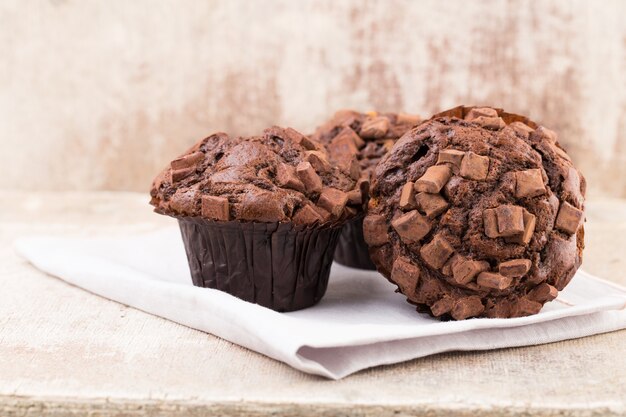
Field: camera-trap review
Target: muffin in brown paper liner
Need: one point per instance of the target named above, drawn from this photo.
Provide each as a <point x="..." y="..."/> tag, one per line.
<point x="260" y="216"/>
<point x="368" y="136"/>
<point x="276" y="265"/>
<point x="351" y="249"/>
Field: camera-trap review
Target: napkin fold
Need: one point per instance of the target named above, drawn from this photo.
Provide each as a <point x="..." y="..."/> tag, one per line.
<point x="360" y="323"/>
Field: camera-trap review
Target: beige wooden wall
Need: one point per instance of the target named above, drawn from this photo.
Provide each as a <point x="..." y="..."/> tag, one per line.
<point x="101" y="94"/>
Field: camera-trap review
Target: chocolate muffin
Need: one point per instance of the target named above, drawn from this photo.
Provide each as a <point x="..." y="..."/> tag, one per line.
<point x="361" y="139"/>
<point x="477" y="213"/>
<point x="260" y="216"/>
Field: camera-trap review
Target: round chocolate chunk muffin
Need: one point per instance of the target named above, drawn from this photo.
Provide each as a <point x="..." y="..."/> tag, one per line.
<point x="280" y="176"/>
<point x="477" y="213"/>
<point x="360" y="139"/>
<point x="259" y="216"/>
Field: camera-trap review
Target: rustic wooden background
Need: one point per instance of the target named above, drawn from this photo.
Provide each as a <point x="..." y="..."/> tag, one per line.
<point x="101" y="94"/>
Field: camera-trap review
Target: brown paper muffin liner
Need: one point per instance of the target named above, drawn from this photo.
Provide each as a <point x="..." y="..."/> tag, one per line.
<point x="351" y="249"/>
<point x="277" y="265"/>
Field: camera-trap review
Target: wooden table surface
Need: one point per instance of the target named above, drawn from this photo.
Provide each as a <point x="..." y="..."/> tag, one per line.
<point x="66" y="352"/>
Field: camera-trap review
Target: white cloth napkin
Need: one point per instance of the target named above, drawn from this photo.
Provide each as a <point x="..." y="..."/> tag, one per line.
<point x="360" y="322"/>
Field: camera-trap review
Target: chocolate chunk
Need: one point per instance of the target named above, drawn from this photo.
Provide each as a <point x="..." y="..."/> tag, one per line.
<point x="436" y="252"/>
<point x="187" y="161"/>
<point x="375" y="128"/>
<point x="407" y="196"/>
<point x="465" y="270"/>
<point x="474" y="166"/>
<point x="309" y="143"/>
<point x="355" y="197"/>
<point x="180" y="174"/>
<point x="307" y="215"/>
<point x="529" y="228"/>
<point x="359" y="142"/>
<point x="288" y="134"/>
<point x="485" y="117"/>
<point x="411" y="226"/>
<point x="493" y="280"/>
<point x="493" y="123"/>
<point x="344" y="117"/>
<point x="375" y="230"/>
<point x="442" y="306"/>
<point x="305" y="141"/>
<point x="547" y="134"/>
<point x="481" y="112"/>
<point x="514" y="268"/>
<point x="318" y="161"/>
<point x="312" y="182"/>
<point x="446" y="269"/>
<point x="343" y="146"/>
<point x="406" y="275"/>
<point x="514" y="223"/>
<point x="215" y="208"/>
<point x="353" y="169"/>
<point x="529" y="183"/>
<point x="184" y="201"/>
<point x="543" y="292"/>
<point x="344" y="151"/>
<point x="227" y="176"/>
<point x="467" y="307"/>
<point x="510" y="220"/>
<point x="261" y="207"/>
<point x="571" y="187"/>
<point x="432" y="205"/>
<point x="560" y="152"/>
<point x="560" y="254"/>
<point x="569" y="218"/>
<point x="490" y="222"/>
<point x="408" y="119"/>
<point x="433" y="179"/>
<point x="526" y="307"/>
<point x="497" y="309"/>
<point x="333" y="201"/>
<point x="521" y="129"/>
<point x="450" y="156"/>
<point x="325" y="215"/>
<point x="286" y="177"/>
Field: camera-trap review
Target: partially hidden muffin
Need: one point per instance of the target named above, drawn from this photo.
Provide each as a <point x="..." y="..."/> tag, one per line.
<point x="477" y="213"/>
<point x="355" y="138"/>
<point x="260" y="216"/>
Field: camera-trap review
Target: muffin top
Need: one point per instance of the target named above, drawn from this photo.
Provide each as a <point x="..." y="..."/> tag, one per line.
<point x="477" y="212"/>
<point x="279" y="176"/>
<point x="364" y="136"/>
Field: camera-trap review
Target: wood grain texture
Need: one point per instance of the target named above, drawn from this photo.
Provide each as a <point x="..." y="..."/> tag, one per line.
<point x="65" y="352"/>
<point x="101" y="95"/>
